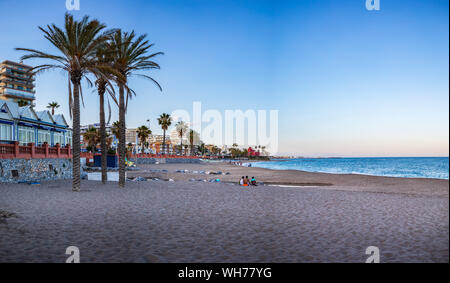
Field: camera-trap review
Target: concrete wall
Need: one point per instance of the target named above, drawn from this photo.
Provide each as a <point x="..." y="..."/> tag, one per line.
<point x="26" y="170"/>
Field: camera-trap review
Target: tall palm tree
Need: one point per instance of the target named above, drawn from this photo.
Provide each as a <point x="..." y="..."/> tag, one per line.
<point x="143" y="132"/>
<point x="77" y="43"/>
<point x="53" y="105"/>
<point x="130" y="55"/>
<point x="181" y="128"/>
<point x="104" y="85"/>
<point x="164" y="121"/>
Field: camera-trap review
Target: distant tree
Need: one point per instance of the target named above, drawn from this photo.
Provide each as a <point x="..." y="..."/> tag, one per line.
<point x="143" y="133"/>
<point x="116" y="129"/>
<point x="91" y="138"/>
<point x="164" y="121"/>
<point x="193" y="139"/>
<point x="181" y="128"/>
<point x="53" y="105"/>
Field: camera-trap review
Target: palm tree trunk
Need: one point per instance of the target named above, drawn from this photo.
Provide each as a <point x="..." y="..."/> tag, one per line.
<point x="76" y="137"/>
<point x="122" y="148"/>
<point x="181" y="143"/>
<point x="103" y="135"/>
<point x="164" y="141"/>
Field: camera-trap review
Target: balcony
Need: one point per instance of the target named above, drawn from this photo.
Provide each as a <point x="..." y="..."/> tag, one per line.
<point x="18" y="93"/>
<point x="8" y="73"/>
<point x="18" y="82"/>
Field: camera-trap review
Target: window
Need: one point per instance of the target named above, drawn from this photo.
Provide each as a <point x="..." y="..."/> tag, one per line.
<point x="69" y="138"/>
<point x="43" y="136"/>
<point x="26" y="135"/>
<point x="6" y="132"/>
<point x="58" y="137"/>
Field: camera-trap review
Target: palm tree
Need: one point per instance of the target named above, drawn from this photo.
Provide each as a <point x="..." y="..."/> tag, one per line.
<point x="164" y="121"/>
<point x="53" y="105"/>
<point x="143" y="133"/>
<point x="77" y="43"/>
<point x="193" y="138"/>
<point x="202" y="148"/>
<point x="115" y="129"/>
<point x="91" y="138"/>
<point x="130" y="56"/>
<point x="181" y="130"/>
<point x="103" y="83"/>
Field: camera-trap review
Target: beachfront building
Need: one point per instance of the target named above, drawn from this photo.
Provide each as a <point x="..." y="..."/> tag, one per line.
<point x="156" y="142"/>
<point x="19" y="121"/>
<point x="25" y="125"/>
<point x="15" y="83"/>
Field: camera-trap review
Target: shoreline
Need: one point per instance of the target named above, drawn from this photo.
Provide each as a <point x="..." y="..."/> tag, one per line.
<point x="349" y="173"/>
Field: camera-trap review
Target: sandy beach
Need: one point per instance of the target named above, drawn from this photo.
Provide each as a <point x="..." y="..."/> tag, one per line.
<point x="196" y="221"/>
<point x="347" y="182"/>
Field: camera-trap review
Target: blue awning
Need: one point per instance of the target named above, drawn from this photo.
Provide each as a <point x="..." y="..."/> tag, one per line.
<point x="6" y="122"/>
<point x="45" y="128"/>
<point x="26" y="124"/>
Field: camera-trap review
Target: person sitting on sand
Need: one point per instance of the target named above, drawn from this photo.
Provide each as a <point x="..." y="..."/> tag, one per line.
<point x="253" y="181"/>
<point x="241" y="181"/>
<point x="246" y="181"/>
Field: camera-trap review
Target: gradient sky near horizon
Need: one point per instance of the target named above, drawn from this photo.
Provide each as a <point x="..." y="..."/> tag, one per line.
<point x="346" y="81"/>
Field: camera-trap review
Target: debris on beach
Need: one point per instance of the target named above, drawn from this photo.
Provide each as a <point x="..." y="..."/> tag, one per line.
<point x="5" y="214"/>
<point x="139" y="179"/>
<point x="171" y="180"/>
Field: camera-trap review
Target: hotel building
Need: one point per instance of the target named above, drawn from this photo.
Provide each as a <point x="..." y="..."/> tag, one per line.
<point x="15" y="83"/>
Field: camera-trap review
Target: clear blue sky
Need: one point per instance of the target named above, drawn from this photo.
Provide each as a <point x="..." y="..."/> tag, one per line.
<point x="347" y="81"/>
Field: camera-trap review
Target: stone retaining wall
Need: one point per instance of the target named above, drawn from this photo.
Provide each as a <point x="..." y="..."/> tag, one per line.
<point x="29" y="170"/>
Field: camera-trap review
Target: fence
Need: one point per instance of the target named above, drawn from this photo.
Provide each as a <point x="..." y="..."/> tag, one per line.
<point x="90" y="155"/>
<point x="14" y="150"/>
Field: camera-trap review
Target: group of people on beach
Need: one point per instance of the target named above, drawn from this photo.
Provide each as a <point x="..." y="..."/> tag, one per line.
<point x="245" y="181"/>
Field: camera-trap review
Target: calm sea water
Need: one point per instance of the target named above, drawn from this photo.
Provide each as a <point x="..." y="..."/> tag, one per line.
<point x="409" y="167"/>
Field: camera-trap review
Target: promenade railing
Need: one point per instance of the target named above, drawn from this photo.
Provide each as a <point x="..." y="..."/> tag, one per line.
<point x="15" y="150"/>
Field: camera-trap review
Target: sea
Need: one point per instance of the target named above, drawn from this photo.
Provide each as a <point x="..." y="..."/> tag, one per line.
<point x="405" y="167"/>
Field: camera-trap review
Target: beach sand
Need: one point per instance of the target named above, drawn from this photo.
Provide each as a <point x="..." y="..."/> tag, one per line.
<point x="196" y="221"/>
<point x="347" y="182"/>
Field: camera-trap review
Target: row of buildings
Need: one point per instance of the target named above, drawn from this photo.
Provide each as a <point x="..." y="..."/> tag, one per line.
<point x="19" y="120"/>
<point x="153" y="142"/>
